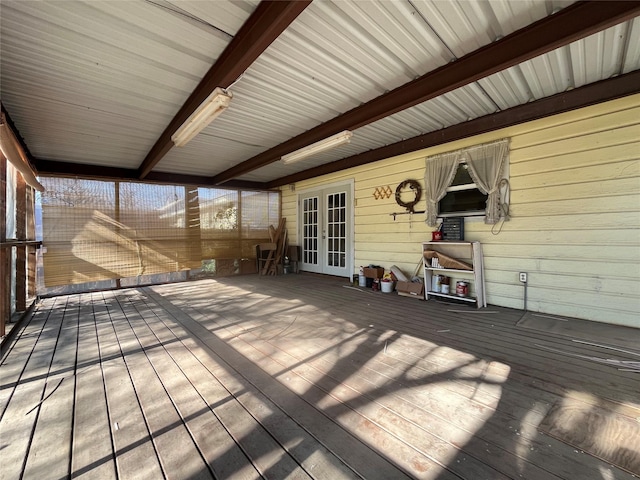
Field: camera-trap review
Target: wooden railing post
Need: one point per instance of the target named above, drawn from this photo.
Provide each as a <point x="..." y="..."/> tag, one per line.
<point x="5" y="253"/>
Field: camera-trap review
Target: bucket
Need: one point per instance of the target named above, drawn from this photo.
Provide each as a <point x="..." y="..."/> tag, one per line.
<point x="362" y="281"/>
<point x="387" y="287"/>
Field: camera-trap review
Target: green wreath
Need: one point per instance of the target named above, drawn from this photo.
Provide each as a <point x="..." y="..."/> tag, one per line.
<point x="413" y="185"/>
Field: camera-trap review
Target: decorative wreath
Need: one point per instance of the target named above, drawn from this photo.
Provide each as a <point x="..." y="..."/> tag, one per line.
<point x="413" y="185"/>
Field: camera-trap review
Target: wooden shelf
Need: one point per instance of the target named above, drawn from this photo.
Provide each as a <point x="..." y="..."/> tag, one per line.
<point x="454" y="297"/>
<point x="467" y="252"/>
<point x="452" y="270"/>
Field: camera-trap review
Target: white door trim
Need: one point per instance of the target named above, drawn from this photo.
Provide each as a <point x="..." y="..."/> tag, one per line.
<point x="350" y="184"/>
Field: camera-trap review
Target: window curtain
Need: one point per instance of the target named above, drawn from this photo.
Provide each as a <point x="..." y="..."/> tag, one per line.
<point x="486" y="164"/>
<point x="439" y="173"/>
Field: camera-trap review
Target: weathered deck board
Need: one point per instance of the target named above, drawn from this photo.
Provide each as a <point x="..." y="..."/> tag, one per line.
<point x="504" y="443"/>
<point x="200" y="404"/>
<point x="21" y="351"/>
<point x="135" y="452"/>
<point x="92" y="455"/>
<point x="542" y="446"/>
<point x="21" y="415"/>
<point x="334" y="438"/>
<point x="176" y="384"/>
<point x="572" y="421"/>
<point x="278" y="425"/>
<point x="55" y="414"/>
<point x="172" y="441"/>
<point x="298" y="377"/>
<point x="419" y="455"/>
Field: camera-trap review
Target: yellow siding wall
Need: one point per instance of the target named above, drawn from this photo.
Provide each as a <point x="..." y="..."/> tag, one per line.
<point x="575" y="205"/>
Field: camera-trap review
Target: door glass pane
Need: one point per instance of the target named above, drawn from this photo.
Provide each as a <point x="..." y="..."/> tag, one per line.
<point x="310" y="230"/>
<point x="336" y="230"/>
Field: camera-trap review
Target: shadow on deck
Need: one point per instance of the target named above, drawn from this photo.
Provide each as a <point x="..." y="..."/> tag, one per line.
<point x="299" y="377"/>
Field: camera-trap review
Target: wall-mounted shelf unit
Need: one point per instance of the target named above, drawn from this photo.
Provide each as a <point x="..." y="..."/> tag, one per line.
<point x="469" y="253"/>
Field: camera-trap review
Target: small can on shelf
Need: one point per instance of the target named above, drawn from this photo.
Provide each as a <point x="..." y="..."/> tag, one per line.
<point x="462" y="288"/>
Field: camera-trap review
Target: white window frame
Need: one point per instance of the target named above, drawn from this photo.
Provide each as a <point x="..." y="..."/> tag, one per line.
<point x="472" y="186"/>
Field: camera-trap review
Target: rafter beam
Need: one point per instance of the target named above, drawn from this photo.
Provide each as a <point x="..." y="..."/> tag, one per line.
<point x="55" y="168"/>
<point x="264" y="25"/>
<point x="568" y="25"/>
<point x="585" y="96"/>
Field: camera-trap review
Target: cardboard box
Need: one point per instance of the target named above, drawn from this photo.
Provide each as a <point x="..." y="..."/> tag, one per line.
<point x="374" y="272"/>
<point x="411" y="289"/>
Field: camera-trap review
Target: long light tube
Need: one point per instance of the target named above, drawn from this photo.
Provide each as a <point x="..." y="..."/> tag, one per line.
<point x="213" y="106"/>
<point x="326" y="144"/>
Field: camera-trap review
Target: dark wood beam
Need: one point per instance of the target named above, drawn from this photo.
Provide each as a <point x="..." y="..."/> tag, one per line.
<point x="264" y="25"/>
<point x="592" y="94"/>
<point x="56" y="168"/>
<point x="16" y="132"/>
<point x="570" y="24"/>
<point x="170" y="178"/>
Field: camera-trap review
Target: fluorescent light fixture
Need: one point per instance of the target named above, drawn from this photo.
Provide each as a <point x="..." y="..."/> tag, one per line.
<point x="326" y="144"/>
<point x="213" y="106"/>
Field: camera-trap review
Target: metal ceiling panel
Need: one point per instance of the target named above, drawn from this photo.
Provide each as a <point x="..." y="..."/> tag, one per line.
<point x="548" y="74"/>
<point x="337" y="55"/>
<point x="542" y="76"/>
<point x="97" y="82"/>
<point x="632" y="51"/>
<point x="507" y="88"/>
<point x="599" y="56"/>
<point x="334" y="57"/>
<point x="465" y="26"/>
<point x="105" y="77"/>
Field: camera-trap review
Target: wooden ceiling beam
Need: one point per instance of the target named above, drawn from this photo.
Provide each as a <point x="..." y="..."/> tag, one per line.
<point x="585" y="96"/>
<point x="568" y="25"/>
<point x="56" y="168"/>
<point x="264" y="25"/>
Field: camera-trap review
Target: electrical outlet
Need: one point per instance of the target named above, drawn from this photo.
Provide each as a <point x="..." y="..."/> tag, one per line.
<point x="523" y="277"/>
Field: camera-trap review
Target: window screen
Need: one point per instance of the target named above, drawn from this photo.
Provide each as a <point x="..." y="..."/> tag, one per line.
<point x="100" y="230"/>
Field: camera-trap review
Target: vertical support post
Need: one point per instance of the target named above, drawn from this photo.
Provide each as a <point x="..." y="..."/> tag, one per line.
<point x="21" y="250"/>
<point x="31" y="250"/>
<point x="192" y="219"/>
<point x="5" y="253"/>
<point x="116" y="213"/>
<point x="239" y="224"/>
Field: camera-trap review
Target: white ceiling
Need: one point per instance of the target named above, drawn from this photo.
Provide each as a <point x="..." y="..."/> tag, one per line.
<point x="97" y="82"/>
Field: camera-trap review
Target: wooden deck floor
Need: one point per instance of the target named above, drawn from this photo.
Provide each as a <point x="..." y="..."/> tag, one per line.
<point x="297" y="376"/>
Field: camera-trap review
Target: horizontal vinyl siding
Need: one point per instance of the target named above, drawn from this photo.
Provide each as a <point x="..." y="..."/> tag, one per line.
<point x="575" y="200"/>
<point x="575" y="206"/>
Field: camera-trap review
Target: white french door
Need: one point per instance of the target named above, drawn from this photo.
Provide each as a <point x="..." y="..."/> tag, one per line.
<point x="325" y="219"/>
